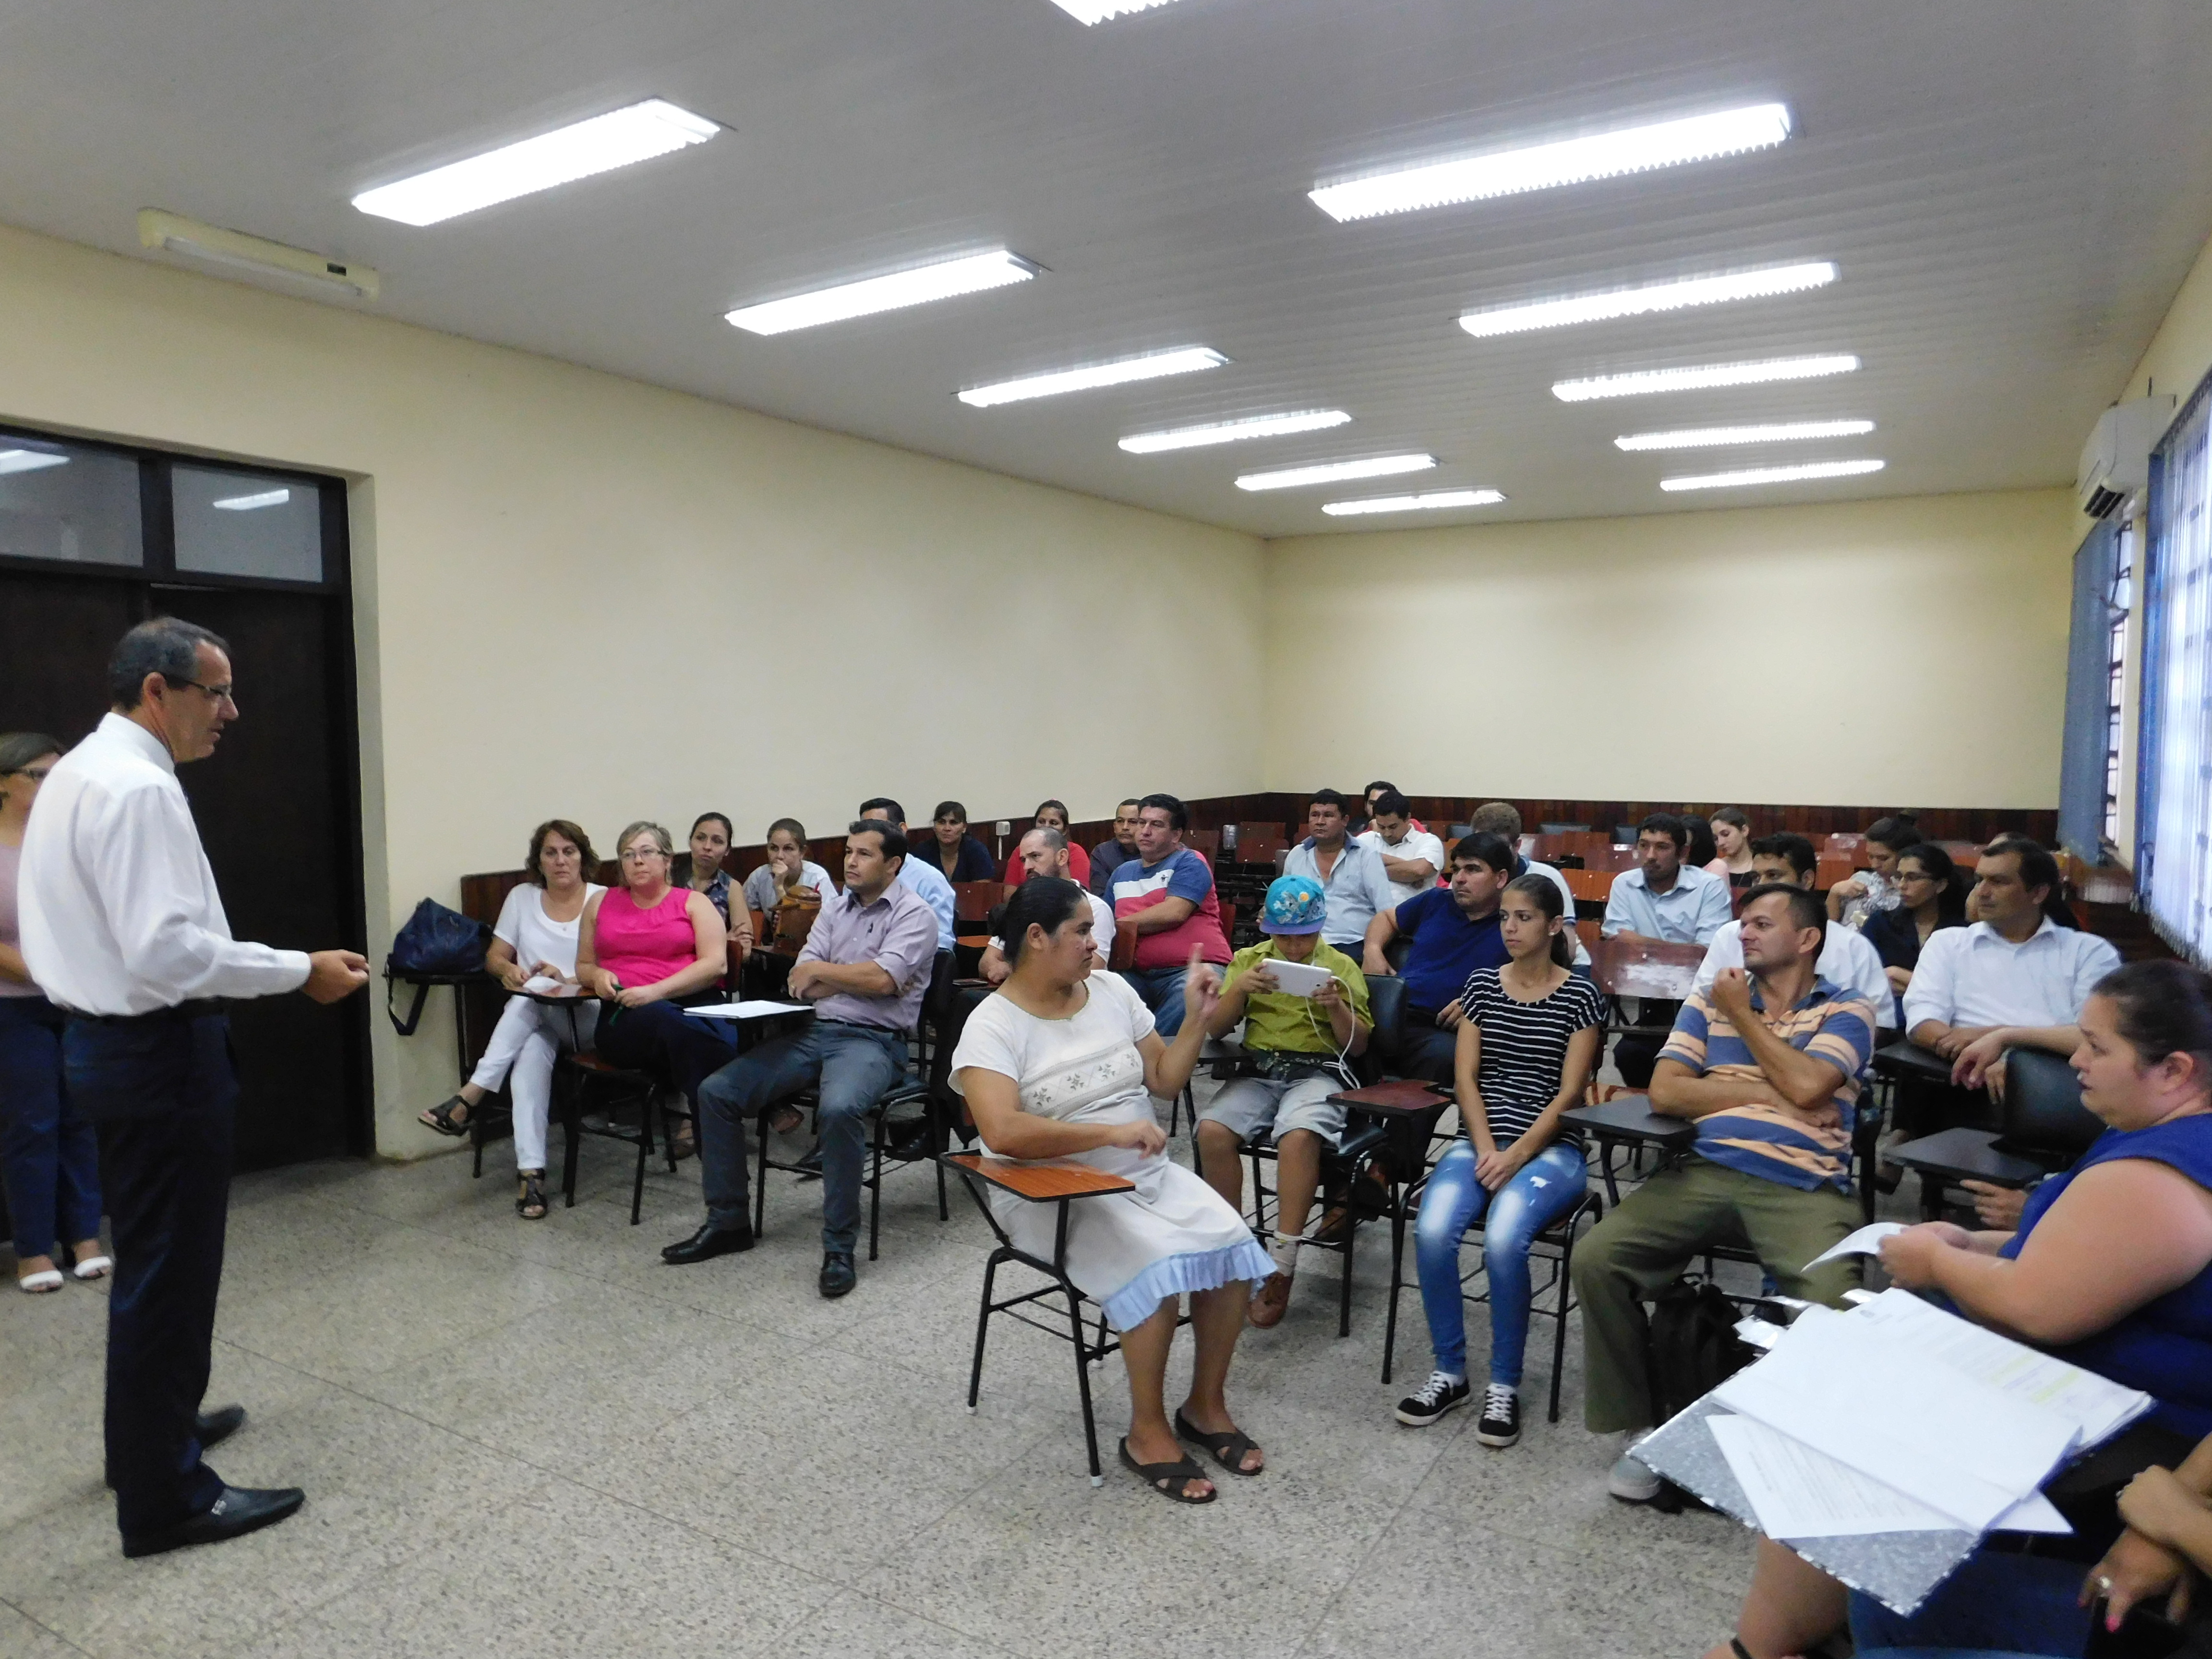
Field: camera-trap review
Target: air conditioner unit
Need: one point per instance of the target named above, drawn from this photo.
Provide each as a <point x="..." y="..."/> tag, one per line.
<point x="2116" y="461"/>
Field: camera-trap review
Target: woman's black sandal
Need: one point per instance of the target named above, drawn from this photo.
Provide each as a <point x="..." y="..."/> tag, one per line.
<point x="441" y="1117"/>
<point x="532" y="1206"/>
<point x="1169" y="1479"/>
<point x="1226" y="1449"/>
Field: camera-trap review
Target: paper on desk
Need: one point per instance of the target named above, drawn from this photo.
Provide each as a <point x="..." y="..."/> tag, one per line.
<point x="754" y="1009"/>
<point x="1865" y="1242"/>
<point x="1845" y="1386"/>
<point x="2097" y="1408"/>
<point x="538" y="985"/>
<point x="1798" y="1492"/>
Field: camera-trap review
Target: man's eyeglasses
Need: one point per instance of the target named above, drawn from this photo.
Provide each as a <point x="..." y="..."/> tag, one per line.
<point x="216" y="693"/>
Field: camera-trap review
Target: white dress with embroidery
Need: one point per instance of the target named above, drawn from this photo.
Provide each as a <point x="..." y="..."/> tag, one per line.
<point x="1127" y="1251"/>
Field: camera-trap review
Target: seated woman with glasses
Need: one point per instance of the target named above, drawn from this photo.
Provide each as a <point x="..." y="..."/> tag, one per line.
<point x="645" y="950"/>
<point x="1061" y="1062"/>
<point x="701" y="869"/>
<point x="1931" y="895"/>
<point x="533" y="941"/>
<point x="1527" y="1044"/>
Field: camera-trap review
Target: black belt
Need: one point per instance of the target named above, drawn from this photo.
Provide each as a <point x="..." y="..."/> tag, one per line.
<point x="199" y="1008"/>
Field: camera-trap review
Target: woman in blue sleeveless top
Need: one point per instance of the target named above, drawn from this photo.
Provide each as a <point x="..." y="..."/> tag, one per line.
<point x="2110" y="1268"/>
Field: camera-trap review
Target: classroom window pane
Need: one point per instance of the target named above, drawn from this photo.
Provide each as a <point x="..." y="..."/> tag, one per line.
<point x="242" y="523"/>
<point x="59" y="501"/>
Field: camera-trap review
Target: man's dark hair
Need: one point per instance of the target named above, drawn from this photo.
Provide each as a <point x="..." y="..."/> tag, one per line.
<point x="2037" y="868"/>
<point x="1330" y="797"/>
<point x="1392" y="805"/>
<point x="950" y="809"/>
<point x="1495" y="851"/>
<point x="1178" y="814"/>
<point x="884" y="804"/>
<point x="1806" y="908"/>
<point x="1128" y="800"/>
<point x="1368" y="794"/>
<point x="1896" y="832"/>
<point x="166" y="646"/>
<point x="1794" y="847"/>
<point x="894" y="838"/>
<point x="1667" y="824"/>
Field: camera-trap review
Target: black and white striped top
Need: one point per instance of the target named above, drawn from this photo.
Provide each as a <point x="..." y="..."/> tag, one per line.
<point x="1524" y="1047"/>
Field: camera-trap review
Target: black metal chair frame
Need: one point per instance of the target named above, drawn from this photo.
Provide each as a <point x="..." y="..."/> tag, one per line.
<point x="1346" y="1163"/>
<point x="626" y="1087"/>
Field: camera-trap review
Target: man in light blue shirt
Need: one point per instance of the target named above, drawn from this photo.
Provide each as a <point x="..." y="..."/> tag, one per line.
<point x="927" y="881"/>
<point x="1669" y="902"/>
<point x="1350" y="872"/>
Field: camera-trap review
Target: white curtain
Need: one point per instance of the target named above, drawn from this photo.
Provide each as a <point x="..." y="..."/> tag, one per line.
<point x="2177" y="735"/>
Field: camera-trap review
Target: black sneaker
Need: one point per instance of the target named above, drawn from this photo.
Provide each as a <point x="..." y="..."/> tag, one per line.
<point x="1500" y="1424"/>
<point x="1439" y="1394"/>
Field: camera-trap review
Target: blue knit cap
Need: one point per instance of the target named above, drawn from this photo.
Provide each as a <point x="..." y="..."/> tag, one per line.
<point x="1295" y="905"/>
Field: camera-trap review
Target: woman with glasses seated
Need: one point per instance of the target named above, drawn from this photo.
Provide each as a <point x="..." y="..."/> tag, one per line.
<point x="1931" y="895"/>
<point x="533" y="943"/>
<point x="1061" y="1062"/>
<point x="646" y="950"/>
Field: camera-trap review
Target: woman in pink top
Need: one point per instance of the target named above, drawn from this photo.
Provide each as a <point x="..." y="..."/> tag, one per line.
<point x="49" y="1159"/>
<point x="645" y="949"/>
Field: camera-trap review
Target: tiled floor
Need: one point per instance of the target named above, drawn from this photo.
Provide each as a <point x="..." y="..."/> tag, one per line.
<point x="535" y="1438"/>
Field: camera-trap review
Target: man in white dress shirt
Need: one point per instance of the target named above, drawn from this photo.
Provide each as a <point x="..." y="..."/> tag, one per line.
<point x="1846" y="961"/>
<point x="122" y="926"/>
<point x="1411" y="858"/>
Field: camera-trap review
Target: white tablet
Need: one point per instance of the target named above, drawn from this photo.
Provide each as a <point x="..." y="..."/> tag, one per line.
<point x="1298" y="979"/>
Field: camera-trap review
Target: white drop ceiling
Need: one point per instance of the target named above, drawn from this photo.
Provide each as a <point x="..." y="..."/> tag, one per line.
<point x="2013" y="190"/>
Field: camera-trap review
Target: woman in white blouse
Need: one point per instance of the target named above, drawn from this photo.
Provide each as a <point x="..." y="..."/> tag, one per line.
<point x="1062" y="1063"/>
<point x="534" y="940"/>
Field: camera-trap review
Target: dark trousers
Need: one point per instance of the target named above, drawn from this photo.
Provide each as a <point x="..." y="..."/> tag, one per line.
<point x="660" y="1038"/>
<point x="49" y="1155"/>
<point x="1635" y="1054"/>
<point x="162" y="1095"/>
<point x="1430" y="1053"/>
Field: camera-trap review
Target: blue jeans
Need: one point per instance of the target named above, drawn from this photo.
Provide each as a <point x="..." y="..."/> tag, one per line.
<point x="49" y="1155"/>
<point x="2015" y="1603"/>
<point x="1160" y="989"/>
<point x="1545" y="1188"/>
<point x="854" y="1066"/>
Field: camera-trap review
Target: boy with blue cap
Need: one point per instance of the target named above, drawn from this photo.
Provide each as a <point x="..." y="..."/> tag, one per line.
<point x="1295" y="1050"/>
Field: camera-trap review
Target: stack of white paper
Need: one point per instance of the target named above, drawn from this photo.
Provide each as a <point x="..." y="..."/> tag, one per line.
<point x="754" y="1009"/>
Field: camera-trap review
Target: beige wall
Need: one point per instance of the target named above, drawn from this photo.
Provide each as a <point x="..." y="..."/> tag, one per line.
<point x="581" y="595"/>
<point x="1906" y="652"/>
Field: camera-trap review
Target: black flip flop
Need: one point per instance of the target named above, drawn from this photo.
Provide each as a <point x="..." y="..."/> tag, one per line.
<point x="1226" y="1449"/>
<point x="440" y="1116"/>
<point x="1169" y="1479"/>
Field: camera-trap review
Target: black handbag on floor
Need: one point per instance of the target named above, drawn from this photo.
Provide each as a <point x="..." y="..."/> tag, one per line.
<point x="1693" y="1345"/>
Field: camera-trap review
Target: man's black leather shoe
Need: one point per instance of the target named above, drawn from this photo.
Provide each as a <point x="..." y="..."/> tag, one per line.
<point x="211" y="1429"/>
<point x="837" y="1274"/>
<point x="912" y="1145"/>
<point x="709" y="1242"/>
<point x="238" y="1511"/>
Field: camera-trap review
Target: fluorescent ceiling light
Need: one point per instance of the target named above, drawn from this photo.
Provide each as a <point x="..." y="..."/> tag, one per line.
<point x="616" y="139"/>
<point x="1510" y="171"/>
<point x="1708" y="374"/>
<point x="1770" y="474"/>
<point x="248" y="503"/>
<point x="945" y="280"/>
<point x="1097" y="11"/>
<point x="1719" y="437"/>
<point x="28" y="460"/>
<point x="1230" y="432"/>
<point x="1651" y="296"/>
<point x="173" y="234"/>
<point x="1431" y="502"/>
<point x="1376" y="466"/>
<point x="1185" y="360"/>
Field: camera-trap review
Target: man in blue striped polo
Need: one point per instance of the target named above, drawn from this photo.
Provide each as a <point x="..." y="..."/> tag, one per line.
<point x="1767" y="1064"/>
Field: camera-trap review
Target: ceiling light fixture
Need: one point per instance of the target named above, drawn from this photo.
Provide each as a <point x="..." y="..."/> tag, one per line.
<point x="172" y="232"/>
<point x="1376" y="466"/>
<point x="617" y="139"/>
<point x="945" y="280"/>
<point x="1097" y="11"/>
<point x="1184" y="360"/>
<point x="1572" y="160"/>
<point x="1719" y="437"/>
<point x="1709" y="374"/>
<point x="248" y="503"/>
<point x="1434" y="500"/>
<point x="28" y="460"/>
<point x="1230" y="432"/>
<point x="1651" y="296"/>
<point x="1772" y="475"/>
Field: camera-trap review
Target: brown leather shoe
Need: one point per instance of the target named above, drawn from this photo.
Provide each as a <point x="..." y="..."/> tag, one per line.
<point x="1273" y="1302"/>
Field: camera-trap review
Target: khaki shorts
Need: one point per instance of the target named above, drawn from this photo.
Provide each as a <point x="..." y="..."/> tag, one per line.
<point x="1253" y="1104"/>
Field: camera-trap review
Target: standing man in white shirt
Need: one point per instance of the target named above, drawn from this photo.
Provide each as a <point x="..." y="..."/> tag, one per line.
<point x="122" y="928"/>
<point x="1411" y="858"/>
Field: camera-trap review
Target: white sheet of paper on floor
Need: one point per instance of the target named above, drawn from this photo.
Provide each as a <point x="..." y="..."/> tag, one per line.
<point x="1845" y="1386"/>
<point x="1865" y="1242"/>
<point x="746" y="1010"/>
<point x="2096" y="1407"/>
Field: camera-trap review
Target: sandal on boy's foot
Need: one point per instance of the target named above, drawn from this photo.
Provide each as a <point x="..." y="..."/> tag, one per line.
<point x="1271" y="1301"/>
<point x="1171" y="1480"/>
<point x="530" y="1203"/>
<point x="1227" y="1448"/>
<point x="440" y="1116"/>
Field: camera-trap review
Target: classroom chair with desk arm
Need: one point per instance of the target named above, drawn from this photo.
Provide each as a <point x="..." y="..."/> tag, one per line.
<point x="2044" y="1128"/>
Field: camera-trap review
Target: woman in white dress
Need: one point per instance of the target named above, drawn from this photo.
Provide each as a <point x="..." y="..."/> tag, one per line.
<point x="1062" y="1063"/>
<point x="535" y="939"/>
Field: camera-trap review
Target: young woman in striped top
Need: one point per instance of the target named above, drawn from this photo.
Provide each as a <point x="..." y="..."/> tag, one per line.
<point x="1527" y="1047"/>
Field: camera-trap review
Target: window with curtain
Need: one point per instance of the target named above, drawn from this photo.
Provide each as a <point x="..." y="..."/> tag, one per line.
<point x="2088" y="765"/>
<point x="2174" y="816"/>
